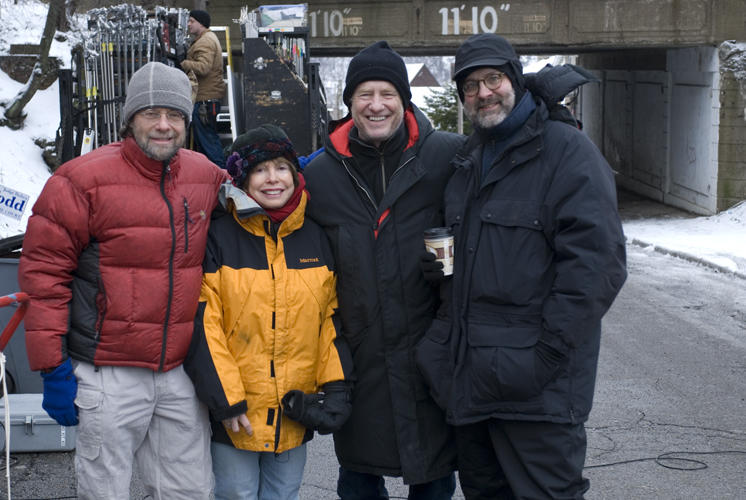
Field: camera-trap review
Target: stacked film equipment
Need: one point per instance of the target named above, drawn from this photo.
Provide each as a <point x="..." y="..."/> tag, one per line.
<point x="280" y="84"/>
<point x="120" y="40"/>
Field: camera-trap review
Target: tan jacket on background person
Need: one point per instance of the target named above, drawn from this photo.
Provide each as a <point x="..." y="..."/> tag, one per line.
<point x="205" y="58"/>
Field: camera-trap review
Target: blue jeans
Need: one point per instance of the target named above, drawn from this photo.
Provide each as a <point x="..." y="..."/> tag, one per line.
<point x="361" y="486"/>
<point x="206" y="138"/>
<point x="256" y="475"/>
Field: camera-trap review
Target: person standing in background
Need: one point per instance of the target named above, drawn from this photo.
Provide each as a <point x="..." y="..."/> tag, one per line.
<point x="205" y="58"/>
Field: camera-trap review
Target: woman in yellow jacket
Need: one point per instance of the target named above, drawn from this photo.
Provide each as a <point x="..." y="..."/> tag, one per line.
<point x="267" y="337"/>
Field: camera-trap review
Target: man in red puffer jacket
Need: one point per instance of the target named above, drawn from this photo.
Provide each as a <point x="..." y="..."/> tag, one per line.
<point x="112" y="261"/>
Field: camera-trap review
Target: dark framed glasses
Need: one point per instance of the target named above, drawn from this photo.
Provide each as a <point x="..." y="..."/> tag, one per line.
<point x="492" y="82"/>
<point x="153" y="116"/>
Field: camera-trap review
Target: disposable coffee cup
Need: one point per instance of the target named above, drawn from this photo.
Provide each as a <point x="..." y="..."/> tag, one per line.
<point x="439" y="240"/>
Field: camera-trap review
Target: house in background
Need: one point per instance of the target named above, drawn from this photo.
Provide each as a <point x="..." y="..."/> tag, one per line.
<point x="422" y="83"/>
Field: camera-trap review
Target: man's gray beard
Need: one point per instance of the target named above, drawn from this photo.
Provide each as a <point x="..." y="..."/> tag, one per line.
<point x="153" y="152"/>
<point x="491" y="120"/>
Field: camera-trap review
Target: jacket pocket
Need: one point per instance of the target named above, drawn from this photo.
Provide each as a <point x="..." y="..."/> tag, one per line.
<point x="88" y="443"/>
<point x="502" y="363"/>
<point x="513" y="213"/>
<point x="187" y="220"/>
<point x="433" y="360"/>
<point x="514" y="257"/>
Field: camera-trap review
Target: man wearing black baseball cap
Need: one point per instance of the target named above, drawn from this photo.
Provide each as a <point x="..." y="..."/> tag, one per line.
<point x="539" y="258"/>
<point x="375" y="189"/>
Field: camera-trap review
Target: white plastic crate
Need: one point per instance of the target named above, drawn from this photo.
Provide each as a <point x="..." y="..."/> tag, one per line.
<point x="31" y="428"/>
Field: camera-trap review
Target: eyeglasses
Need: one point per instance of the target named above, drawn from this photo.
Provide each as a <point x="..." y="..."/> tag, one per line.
<point x="153" y="116"/>
<point x="492" y="82"/>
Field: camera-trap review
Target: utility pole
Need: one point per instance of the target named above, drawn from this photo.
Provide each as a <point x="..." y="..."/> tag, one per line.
<point x="338" y="101"/>
<point x="460" y="122"/>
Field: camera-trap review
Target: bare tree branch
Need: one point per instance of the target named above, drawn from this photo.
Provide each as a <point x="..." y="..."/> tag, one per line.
<point x="14" y="112"/>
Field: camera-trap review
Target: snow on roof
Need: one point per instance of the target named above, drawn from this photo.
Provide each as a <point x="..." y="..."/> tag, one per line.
<point x="413" y="69"/>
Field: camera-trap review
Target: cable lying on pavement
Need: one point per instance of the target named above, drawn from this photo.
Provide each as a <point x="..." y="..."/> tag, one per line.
<point x="660" y="459"/>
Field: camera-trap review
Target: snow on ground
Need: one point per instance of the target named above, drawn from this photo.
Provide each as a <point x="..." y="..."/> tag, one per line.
<point x="719" y="239"/>
<point x="22" y="168"/>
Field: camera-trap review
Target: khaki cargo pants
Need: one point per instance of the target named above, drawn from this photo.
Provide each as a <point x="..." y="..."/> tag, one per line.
<point x="153" y="417"/>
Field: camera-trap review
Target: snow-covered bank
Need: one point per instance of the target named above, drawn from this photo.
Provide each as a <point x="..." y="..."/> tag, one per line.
<point x="22" y="168"/>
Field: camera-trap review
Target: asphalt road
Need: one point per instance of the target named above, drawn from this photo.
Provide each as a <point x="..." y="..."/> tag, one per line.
<point x="672" y="378"/>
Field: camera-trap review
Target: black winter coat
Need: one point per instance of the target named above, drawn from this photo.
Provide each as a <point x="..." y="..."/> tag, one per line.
<point x="539" y="252"/>
<point x="395" y="429"/>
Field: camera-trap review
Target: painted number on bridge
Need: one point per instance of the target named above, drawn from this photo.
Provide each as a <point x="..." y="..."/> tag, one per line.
<point x="483" y="20"/>
<point x="470" y="20"/>
<point x="437" y="19"/>
<point x="334" y="23"/>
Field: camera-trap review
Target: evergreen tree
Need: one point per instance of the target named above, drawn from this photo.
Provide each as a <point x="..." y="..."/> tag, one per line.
<point x="442" y="109"/>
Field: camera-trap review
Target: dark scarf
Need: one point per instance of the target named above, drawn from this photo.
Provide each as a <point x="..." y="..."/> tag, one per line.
<point x="499" y="136"/>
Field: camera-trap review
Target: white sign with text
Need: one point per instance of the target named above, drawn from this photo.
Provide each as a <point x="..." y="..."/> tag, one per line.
<point x="12" y="203"/>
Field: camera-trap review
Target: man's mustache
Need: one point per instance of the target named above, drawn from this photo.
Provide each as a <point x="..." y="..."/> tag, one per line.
<point x="483" y="103"/>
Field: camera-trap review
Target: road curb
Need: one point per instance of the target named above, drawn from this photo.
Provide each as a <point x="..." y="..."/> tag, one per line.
<point x="687" y="256"/>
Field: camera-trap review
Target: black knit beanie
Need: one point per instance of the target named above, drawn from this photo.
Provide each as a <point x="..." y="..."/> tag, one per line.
<point x="263" y="143"/>
<point x="377" y="62"/>
<point x="487" y="50"/>
<point x="201" y="16"/>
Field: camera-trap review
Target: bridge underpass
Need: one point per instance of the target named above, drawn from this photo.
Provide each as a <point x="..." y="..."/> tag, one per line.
<point x="669" y="113"/>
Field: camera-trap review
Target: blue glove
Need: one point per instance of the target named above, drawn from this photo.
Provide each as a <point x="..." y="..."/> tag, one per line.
<point x="303" y="161"/>
<point x="60" y="389"/>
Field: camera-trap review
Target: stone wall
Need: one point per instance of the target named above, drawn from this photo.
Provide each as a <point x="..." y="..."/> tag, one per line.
<point x="21" y="61"/>
<point x="732" y="144"/>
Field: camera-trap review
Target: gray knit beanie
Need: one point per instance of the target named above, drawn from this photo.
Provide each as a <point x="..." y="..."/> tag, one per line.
<point x="156" y="85"/>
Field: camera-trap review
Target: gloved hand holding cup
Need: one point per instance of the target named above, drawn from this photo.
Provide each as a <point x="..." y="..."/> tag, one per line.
<point x="439" y="241"/>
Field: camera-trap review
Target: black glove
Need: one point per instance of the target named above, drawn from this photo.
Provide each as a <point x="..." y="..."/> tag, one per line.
<point x="204" y="113"/>
<point x="431" y="268"/>
<point x="294" y="401"/>
<point x="546" y="361"/>
<point x="181" y="54"/>
<point x="323" y="413"/>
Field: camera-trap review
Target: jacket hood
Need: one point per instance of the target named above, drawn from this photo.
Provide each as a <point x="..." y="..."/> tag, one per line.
<point x="235" y="200"/>
<point x="243" y="208"/>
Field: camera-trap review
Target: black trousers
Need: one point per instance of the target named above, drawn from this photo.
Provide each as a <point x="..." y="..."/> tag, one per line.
<point x="519" y="460"/>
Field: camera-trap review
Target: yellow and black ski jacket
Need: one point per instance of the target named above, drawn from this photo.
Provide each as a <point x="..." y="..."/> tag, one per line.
<point x="267" y="321"/>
